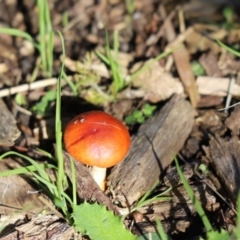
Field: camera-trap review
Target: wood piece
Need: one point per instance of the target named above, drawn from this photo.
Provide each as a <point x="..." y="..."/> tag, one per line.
<point x="181" y="59"/>
<point x="43" y="227"/>
<point x="209" y="62"/>
<point x="153" y="148"/>
<point x="232" y="122"/>
<point x="225" y="158"/>
<point x="210" y="101"/>
<point x="216" y="86"/>
<point x="87" y="188"/>
<point x="8" y="129"/>
<point x="172" y="178"/>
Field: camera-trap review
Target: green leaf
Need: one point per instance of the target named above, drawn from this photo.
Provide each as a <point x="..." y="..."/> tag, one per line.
<point x="20" y="99"/>
<point x="137" y="114"/>
<point x="141" y="119"/>
<point x="19" y="33"/>
<point x="42" y="106"/>
<point x="215" y="235"/>
<point x="228" y="14"/>
<point x="130" y="119"/>
<point x="148" y="110"/>
<point x="195" y="201"/>
<point x="99" y="223"/>
<point x="197" y="68"/>
<point x="236" y="53"/>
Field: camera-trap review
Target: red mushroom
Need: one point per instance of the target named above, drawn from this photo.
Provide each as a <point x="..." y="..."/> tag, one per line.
<point x="97" y="139"/>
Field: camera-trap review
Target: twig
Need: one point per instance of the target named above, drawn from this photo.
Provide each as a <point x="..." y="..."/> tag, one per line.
<point x="229" y="95"/>
<point x="28" y="87"/>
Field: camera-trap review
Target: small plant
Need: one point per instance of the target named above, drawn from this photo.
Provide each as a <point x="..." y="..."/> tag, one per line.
<point x="144" y="200"/>
<point x="88" y="81"/>
<point x="110" y="58"/>
<point x="228" y="14"/>
<point x="42" y="107"/>
<point x="140" y="116"/>
<point x="20" y="99"/>
<point x="197" y="69"/>
<point x="130" y="7"/>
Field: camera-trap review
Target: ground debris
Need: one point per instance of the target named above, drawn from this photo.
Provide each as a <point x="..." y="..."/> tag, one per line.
<point x="8" y="129"/>
<point x="225" y="157"/>
<point x="145" y="29"/>
<point x="179" y="209"/>
<point x="43" y="227"/>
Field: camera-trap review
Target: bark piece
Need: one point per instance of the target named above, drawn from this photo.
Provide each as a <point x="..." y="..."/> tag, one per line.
<point x="8" y="129"/>
<point x="210" y="101"/>
<point x="153" y="149"/>
<point x="43" y="227"/>
<point x="232" y="122"/>
<point x="225" y="158"/>
<point x="209" y="61"/>
<point x="172" y="178"/>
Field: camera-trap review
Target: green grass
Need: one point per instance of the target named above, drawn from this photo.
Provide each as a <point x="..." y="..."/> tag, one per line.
<point x="111" y="60"/>
<point x="119" y="82"/>
<point x="46" y="37"/>
<point x="55" y="190"/>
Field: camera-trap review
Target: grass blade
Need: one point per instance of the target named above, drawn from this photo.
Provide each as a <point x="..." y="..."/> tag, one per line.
<point x="24" y="170"/>
<point x="193" y="198"/>
<point x="18" y="33"/>
<point x="60" y="174"/>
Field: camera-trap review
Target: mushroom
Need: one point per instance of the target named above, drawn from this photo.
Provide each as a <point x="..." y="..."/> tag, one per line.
<point x="97" y="139"/>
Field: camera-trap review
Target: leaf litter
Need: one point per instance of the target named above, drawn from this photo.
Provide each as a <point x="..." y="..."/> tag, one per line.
<point x="150" y="29"/>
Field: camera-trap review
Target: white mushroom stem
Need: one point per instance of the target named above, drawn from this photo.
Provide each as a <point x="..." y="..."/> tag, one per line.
<point x="99" y="175"/>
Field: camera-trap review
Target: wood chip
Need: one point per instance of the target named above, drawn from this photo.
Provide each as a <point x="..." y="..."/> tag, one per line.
<point x="216" y="86"/>
<point x="8" y="129"/>
<point x="233" y="122"/>
<point x="209" y="62"/>
<point x="43" y="227"/>
<point x="225" y="158"/>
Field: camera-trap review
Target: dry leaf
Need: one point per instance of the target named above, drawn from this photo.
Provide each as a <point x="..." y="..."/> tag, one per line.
<point x="157" y="84"/>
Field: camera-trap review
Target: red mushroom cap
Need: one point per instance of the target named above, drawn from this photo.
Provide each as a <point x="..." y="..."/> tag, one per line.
<point x="97" y="139"/>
